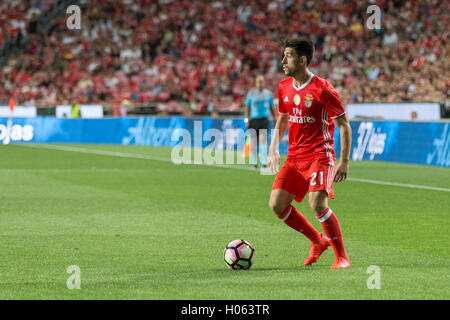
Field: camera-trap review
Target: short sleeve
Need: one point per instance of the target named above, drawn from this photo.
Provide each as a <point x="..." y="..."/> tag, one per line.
<point x="281" y="107"/>
<point x="271" y="99"/>
<point x="330" y="99"/>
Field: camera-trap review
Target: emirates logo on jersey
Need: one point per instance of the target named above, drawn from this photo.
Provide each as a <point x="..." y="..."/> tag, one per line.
<point x="298" y="118"/>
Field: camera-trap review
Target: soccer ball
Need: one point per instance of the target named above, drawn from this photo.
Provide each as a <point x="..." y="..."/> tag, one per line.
<point x="239" y="254"/>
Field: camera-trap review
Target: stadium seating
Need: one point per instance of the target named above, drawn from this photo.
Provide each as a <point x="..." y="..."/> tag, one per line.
<point x="201" y="56"/>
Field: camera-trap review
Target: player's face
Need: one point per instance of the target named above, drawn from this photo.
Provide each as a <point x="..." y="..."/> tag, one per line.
<point x="291" y="63"/>
<point x="259" y="82"/>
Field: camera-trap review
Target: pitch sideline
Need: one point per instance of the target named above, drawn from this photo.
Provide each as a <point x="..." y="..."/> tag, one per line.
<point x="155" y="158"/>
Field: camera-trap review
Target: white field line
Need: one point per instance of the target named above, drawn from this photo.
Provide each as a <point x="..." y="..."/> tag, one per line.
<point x="96" y="151"/>
<point x="387" y="183"/>
<point x="68" y="170"/>
<point x="150" y="157"/>
<point x="126" y="155"/>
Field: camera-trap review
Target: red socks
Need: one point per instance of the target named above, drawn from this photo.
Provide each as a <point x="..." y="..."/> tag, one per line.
<point x="331" y="227"/>
<point x="294" y="219"/>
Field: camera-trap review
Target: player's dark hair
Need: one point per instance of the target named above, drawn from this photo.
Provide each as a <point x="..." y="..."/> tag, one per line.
<point x="303" y="47"/>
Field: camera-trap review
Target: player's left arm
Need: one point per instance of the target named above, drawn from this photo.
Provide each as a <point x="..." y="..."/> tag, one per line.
<point x="272" y="108"/>
<point x="248" y="105"/>
<point x="346" y="141"/>
<point x="335" y="109"/>
<point x="272" y="111"/>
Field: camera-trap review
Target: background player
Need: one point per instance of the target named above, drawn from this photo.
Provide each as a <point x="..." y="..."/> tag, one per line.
<point x="259" y="102"/>
<point x="310" y="106"/>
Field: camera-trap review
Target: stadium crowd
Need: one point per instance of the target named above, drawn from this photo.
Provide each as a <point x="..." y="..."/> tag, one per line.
<point x="202" y="55"/>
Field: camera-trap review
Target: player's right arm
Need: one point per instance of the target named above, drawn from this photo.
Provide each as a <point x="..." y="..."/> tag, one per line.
<point x="248" y="103"/>
<point x="281" y="126"/>
<point x="273" y="161"/>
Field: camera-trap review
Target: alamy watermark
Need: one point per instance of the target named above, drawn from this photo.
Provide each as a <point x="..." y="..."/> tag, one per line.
<point x="74" y="280"/>
<point x="374" y="20"/>
<point x="223" y="147"/>
<point x="73" y="21"/>
<point x="374" y="280"/>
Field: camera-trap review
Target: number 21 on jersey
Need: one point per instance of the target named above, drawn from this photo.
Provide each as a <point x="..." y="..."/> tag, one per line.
<point x="314" y="176"/>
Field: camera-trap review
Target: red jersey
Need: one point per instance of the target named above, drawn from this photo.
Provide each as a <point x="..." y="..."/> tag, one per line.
<point x="311" y="109"/>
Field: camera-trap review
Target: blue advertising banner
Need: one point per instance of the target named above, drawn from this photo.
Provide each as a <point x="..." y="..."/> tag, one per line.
<point x="410" y="142"/>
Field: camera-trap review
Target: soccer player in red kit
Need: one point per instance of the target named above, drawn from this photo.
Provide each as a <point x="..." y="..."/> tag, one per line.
<point x="310" y="106"/>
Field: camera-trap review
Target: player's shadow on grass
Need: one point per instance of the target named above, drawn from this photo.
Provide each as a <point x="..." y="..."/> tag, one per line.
<point x="291" y="268"/>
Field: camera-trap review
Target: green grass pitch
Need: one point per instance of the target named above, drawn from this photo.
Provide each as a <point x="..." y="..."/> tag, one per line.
<point x="140" y="227"/>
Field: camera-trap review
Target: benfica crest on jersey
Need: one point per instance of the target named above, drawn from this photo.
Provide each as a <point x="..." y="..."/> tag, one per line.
<point x="308" y="100"/>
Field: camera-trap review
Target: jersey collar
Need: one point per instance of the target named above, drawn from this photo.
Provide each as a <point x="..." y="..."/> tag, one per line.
<point x="303" y="85"/>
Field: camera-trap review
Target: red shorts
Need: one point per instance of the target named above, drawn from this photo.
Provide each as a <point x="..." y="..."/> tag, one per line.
<point x="301" y="177"/>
